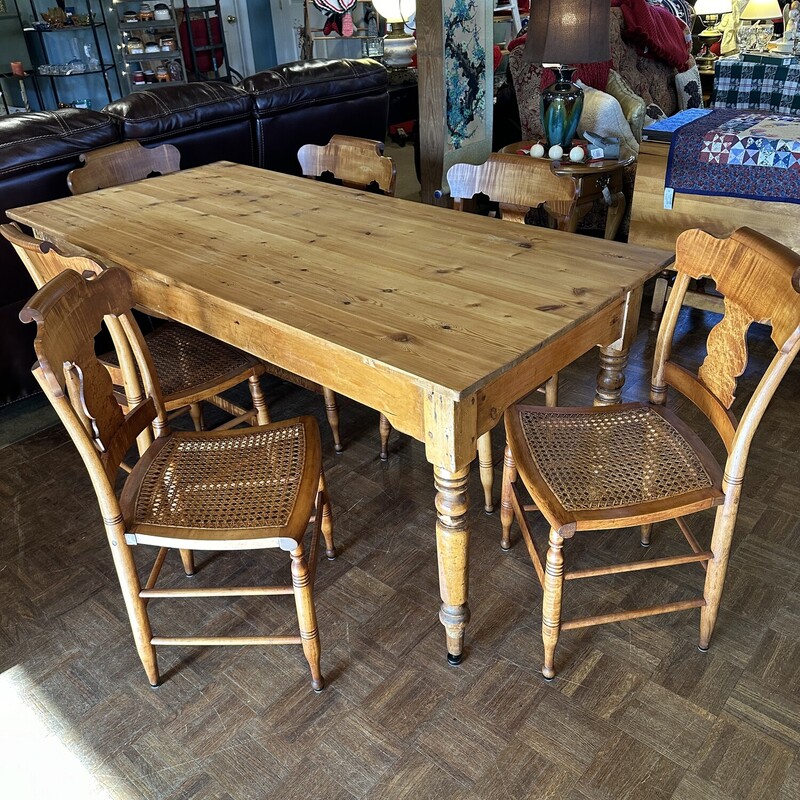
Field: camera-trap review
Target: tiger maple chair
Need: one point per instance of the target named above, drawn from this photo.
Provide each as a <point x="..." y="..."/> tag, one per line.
<point x="247" y="489"/>
<point x="122" y="163"/>
<point x="359" y="164"/>
<point x="192" y="367"/>
<point x="638" y="463"/>
<point x="517" y="184"/>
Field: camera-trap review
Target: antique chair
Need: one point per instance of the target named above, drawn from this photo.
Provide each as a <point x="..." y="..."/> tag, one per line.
<point x="517" y="184"/>
<point x="638" y="463"/>
<point x="246" y="489"/>
<point x="359" y="164"/>
<point x="191" y="366"/>
<point x="122" y="163"/>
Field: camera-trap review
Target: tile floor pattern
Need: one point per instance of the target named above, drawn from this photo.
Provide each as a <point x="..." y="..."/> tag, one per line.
<point x="635" y="711"/>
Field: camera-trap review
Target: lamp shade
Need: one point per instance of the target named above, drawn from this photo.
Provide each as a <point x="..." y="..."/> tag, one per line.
<point x="707" y="8"/>
<point x="761" y="9"/>
<point x="395" y="10"/>
<point x="568" y="32"/>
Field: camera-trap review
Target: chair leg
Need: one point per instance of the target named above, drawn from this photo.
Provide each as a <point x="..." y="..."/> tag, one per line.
<point x="551" y="604"/>
<point x="506" y="506"/>
<point x="385" y="429"/>
<point x="332" y="412"/>
<point x="327" y="519"/>
<point x="187" y="557"/>
<point x="486" y="470"/>
<point x="135" y="606"/>
<point x="196" y="413"/>
<point x="306" y="615"/>
<point x="551" y="392"/>
<point x="259" y="401"/>
<point x="646" y="530"/>
<point x="717" y="567"/>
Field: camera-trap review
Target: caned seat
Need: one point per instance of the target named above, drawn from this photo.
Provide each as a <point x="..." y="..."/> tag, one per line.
<point x="193" y="367"/>
<point x="248" y="489"/>
<point x="638" y="463"/>
<point x="517" y="184"/>
<point x="359" y="164"/>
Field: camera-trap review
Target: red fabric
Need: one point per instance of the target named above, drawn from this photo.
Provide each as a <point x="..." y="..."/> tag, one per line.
<point x="594" y="75"/>
<point x="655" y="31"/>
<point x="200" y="36"/>
<point x="498" y="56"/>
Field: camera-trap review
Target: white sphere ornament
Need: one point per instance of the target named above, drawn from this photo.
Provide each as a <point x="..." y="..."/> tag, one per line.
<point x="555" y="152"/>
<point x="576" y="154"/>
<point x="537" y="151"/>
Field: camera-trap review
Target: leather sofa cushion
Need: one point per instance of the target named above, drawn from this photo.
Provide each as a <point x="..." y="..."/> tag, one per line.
<point x="179" y="107"/>
<point x="206" y="121"/>
<point x="302" y="83"/>
<point x="33" y="140"/>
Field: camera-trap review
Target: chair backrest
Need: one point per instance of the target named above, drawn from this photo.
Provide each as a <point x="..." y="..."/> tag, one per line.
<point x="69" y="311"/>
<point x="755" y="274"/>
<point x="358" y="163"/>
<point x="122" y="163"/>
<point x="517" y="183"/>
<point x="42" y="260"/>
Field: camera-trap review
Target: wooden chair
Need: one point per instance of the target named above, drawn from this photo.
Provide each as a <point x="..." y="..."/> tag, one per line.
<point x="517" y="184"/>
<point x="638" y="463"/>
<point x="192" y="367"/>
<point x="122" y="163"/>
<point x="359" y="164"/>
<point x="247" y="489"/>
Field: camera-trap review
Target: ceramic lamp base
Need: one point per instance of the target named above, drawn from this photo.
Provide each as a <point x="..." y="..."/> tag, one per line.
<point x="561" y="108"/>
<point x="398" y="47"/>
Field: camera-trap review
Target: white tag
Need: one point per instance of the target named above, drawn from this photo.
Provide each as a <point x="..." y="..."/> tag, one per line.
<point x="669" y="196"/>
<point x="607" y="195"/>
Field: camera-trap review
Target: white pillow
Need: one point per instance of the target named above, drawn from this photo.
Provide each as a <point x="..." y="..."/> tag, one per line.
<point x="688" y="89"/>
<point x="602" y="114"/>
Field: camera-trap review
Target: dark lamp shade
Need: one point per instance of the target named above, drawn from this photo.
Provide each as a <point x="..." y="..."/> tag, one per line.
<point x="568" y="32"/>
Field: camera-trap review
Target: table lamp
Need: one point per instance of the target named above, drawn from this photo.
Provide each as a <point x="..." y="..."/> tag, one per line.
<point x="762" y="12"/>
<point x="398" y="46"/>
<point x="563" y="33"/>
<point x="710" y="11"/>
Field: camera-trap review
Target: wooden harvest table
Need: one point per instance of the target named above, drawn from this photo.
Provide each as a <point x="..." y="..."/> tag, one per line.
<point x="439" y="319"/>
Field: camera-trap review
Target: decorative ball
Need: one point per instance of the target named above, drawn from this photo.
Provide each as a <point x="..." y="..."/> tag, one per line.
<point x="555" y="152"/>
<point x="537" y="151"/>
<point x="576" y="154"/>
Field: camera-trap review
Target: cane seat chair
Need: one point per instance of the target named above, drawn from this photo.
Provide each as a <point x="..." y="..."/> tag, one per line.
<point x="359" y="164"/>
<point x="191" y="366"/>
<point x="638" y="463"/>
<point x="246" y="489"/>
<point x="516" y="185"/>
<point x="122" y="163"/>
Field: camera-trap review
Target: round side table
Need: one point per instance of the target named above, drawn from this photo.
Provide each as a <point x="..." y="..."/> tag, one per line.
<point x="593" y="180"/>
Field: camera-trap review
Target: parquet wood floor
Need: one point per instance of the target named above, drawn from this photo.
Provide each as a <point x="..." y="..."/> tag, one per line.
<point x="635" y="711"/>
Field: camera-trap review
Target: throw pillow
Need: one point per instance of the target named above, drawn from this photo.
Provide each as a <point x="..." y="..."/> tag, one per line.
<point x="687" y="86"/>
<point x="632" y="105"/>
<point x="602" y="114"/>
<point x="653" y="113"/>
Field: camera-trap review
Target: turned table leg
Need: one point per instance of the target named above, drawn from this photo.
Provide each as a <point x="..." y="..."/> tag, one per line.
<point x="614" y="356"/>
<point x="452" y="545"/>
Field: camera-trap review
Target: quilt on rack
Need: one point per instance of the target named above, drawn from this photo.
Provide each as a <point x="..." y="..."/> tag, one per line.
<point x="754" y="155"/>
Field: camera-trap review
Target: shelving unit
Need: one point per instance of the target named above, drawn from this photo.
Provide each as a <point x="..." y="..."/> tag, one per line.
<point x="142" y="69"/>
<point x="78" y="47"/>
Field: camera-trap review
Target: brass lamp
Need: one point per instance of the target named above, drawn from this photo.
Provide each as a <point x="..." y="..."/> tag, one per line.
<point x="398" y="46"/>
<point x="710" y="11"/>
<point x="562" y="33"/>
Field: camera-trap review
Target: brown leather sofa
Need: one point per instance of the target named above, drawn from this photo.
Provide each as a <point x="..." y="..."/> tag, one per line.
<point x="262" y="122"/>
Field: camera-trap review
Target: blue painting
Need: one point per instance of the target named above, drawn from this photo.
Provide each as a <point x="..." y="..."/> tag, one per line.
<point x="465" y="70"/>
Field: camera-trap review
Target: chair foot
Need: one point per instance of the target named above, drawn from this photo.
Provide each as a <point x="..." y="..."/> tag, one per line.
<point x="318" y="686"/>
<point x="488" y="509"/>
<point x="331" y="554"/>
<point x="549" y="680"/>
<point x="155" y="685"/>
<point x="339" y="449"/>
<point x="384" y="456"/>
<point x="548" y="673"/>
<point x="506" y="548"/>
<point x="454" y="660"/>
<point x="644" y="544"/>
<point x="702" y="649"/>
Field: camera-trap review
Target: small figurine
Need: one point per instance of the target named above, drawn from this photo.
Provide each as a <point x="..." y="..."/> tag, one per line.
<point x="790" y="32"/>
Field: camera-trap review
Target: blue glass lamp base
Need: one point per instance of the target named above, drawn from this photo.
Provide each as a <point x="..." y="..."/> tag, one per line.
<point x="562" y="104"/>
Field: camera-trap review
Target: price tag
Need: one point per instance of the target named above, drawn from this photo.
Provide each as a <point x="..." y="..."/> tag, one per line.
<point x="669" y="196"/>
<point x="607" y="195"/>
